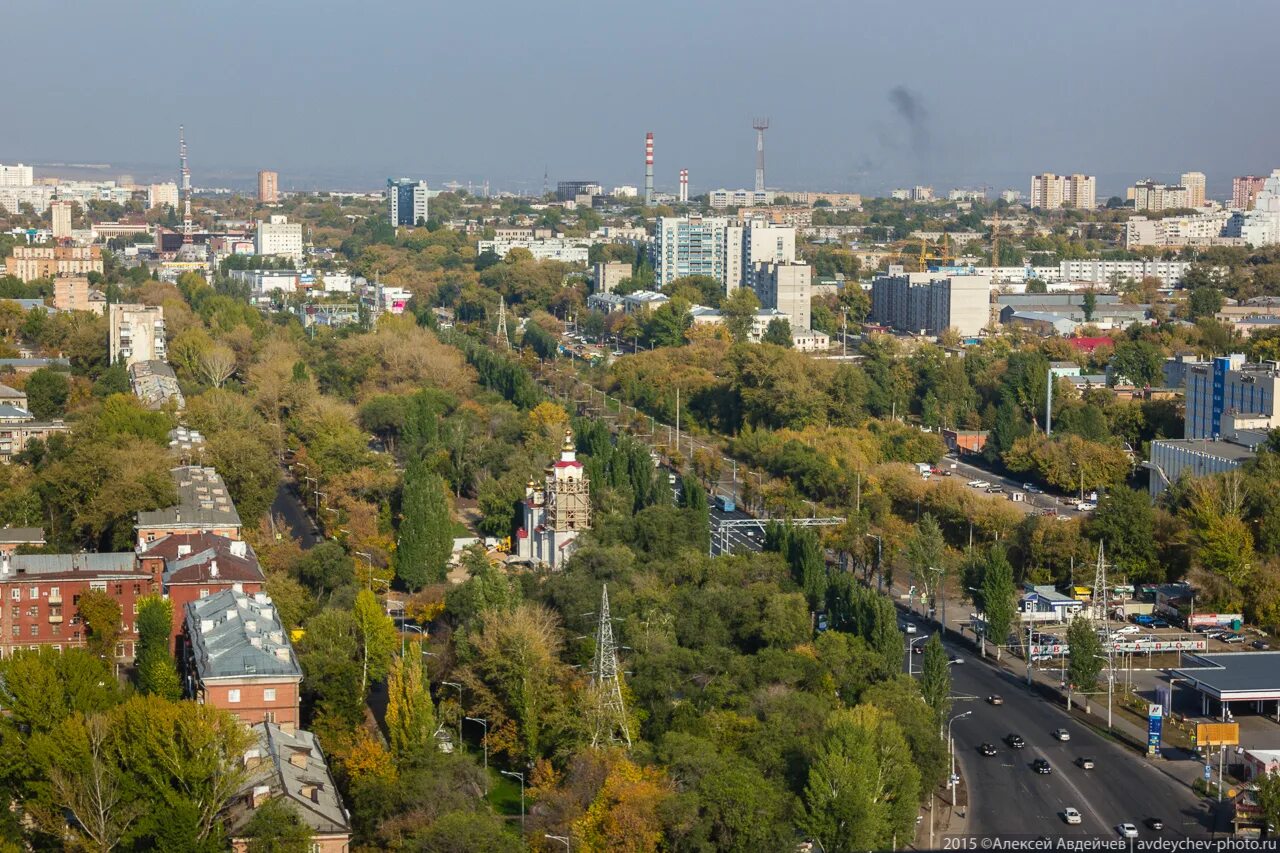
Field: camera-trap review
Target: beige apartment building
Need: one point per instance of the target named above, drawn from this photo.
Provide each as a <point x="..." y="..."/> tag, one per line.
<point x="1194" y="182"/>
<point x="1050" y="191"/>
<point x="32" y="262"/>
<point x="268" y="187"/>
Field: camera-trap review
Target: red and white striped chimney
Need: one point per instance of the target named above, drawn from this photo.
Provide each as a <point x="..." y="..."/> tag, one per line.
<point x="684" y="185"/>
<point x="648" y="168"/>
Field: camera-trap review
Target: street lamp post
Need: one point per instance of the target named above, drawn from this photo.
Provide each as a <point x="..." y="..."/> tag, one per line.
<point x="514" y="775"/>
<point x="911" y="650"/>
<point x="951" y="746"/>
<point x="1111" y="680"/>
<point x="562" y="839"/>
<point x="482" y="721"/>
<point x="459" y="686"/>
<point x="418" y="628"/>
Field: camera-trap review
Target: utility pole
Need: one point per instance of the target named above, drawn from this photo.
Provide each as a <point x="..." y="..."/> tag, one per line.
<point x="1048" y="404"/>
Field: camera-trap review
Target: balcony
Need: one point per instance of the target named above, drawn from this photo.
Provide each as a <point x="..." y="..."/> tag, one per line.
<point x="55" y="617"/>
<point x="55" y="598"/>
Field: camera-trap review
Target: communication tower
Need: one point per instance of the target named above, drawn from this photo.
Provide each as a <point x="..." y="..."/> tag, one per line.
<point x="760" y="125"/>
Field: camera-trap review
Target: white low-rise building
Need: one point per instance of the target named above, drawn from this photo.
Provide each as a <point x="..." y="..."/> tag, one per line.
<point x="568" y="250"/>
<point x="279" y="238"/>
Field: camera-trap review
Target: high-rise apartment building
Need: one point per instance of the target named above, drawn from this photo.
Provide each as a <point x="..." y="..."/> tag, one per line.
<point x="407" y="202"/>
<point x="1194" y="182"/>
<point x="609" y="274"/>
<point x="136" y="333"/>
<point x="690" y="245"/>
<point x="268" y="187"/>
<point x="16" y="176"/>
<point x="159" y="195"/>
<point x="786" y="287"/>
<point x="1050" y="191"/>
<point x="754" y="242"/>
<point x="71" y="293"/>
<point x="1148" y="195"/>
<point x="28" y="262"/>
<point x="930" y="303"/>
<point x="279" y="237"/>
<point x="60" y="212"/>
<point x="1244" y="191"/>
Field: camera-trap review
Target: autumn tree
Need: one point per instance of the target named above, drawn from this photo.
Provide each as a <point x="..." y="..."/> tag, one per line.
<point x="411" y="716"/>
<point x="376" y="634"/>
<point x="217" y="364"/>
<point x="101" y="615"/>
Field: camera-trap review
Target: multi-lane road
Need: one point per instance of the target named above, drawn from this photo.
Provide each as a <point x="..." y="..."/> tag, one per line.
<point x="1007" y="797"/>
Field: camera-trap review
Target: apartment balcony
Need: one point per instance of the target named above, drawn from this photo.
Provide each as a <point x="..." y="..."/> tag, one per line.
<point x="55" y="598"/>
<point x="55" y="618"/>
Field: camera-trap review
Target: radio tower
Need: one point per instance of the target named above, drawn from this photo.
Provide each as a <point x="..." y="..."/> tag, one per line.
<point x="761" y="125"/>
<point x="185" y="174"/>
<point x="611" y="713"/>
<point x="504" y="339"/>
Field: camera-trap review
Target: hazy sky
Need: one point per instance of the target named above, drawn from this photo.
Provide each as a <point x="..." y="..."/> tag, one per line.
<point x="862" y="96"/>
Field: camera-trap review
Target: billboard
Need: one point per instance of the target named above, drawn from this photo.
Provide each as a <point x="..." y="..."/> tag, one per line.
<point x="1216" y="734"/>
<point x="1155" y="727"/>
<point x="1148" y="645"/>
<point x="1215" y="620"/>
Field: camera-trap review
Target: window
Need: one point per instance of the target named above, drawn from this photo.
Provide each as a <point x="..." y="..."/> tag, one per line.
<point x="56" y="628"/>
<point x="233" y="695"/>
<point x="75" y="599"/>
<point x="269" y="694"/>
<point x="35" y="630"/>
<point x="119" y="589"/>
<point x="135" y="608"/>
<point x="16" y="611"/>
<point x="137" y="589"/>
<point x="15" y="594"/>
<point x="119" y="650"/>
<point x="204" y="593"/>
<point x="33" y="611"/>
<point x="55" y="592"/>
<point x="33" y="593"/>
<point x="17" y="629"/>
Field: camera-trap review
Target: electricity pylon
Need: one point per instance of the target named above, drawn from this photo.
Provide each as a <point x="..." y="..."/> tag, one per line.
<point x="610" y="710"/>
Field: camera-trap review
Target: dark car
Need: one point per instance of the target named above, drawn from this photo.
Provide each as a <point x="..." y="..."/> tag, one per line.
<point x="917" y="650"/>
<point x="1015" y="741"/>
<point x="995" y="699"/>
<point x="1154" y="823"/>
<point x="1041" y="766"/>
<point x="987" y="749"/>
<point x="1159" y="623"/>
<point x="1261" y="645"/>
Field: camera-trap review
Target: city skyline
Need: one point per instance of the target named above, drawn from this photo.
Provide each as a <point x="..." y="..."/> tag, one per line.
<point x="848" y="116"/>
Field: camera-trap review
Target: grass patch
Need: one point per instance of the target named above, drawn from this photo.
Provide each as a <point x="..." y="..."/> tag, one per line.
<point x="504" y="794"/>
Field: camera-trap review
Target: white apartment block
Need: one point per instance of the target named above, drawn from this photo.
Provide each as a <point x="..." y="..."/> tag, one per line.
<point x="1148" y="195"/>
<point x="720" y="199"/>
<point x="16" y="176"/>
<point x="1010" y="196"/>
<point x="1106" y="272"/>
<point x="279" y="237"/>
<point x="136" y="333"/>
<point x="162" y="194"/>
<point x="1051" y="191"/>
<point x="1260" y="226"/>
<point x="568" y="250"/>
<point x="754" y="242"/>
<point x="1175" y="232"/>
<point x="690" y="245"/>
<point x="13" y="197"/>
<point x="786" y="287"/>
<point x="624" y="191"/>
<point x="61" y="219"/>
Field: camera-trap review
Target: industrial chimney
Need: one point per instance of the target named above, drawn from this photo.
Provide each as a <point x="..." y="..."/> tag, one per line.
<point x="684" y="186"/>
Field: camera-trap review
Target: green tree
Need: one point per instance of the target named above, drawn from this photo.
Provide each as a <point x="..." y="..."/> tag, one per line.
<point x="935" y="678"/>
<point x="739" y="309"/>
<point x="426" y="538"/>
<point x="156" y="671"/>
<point x="376" y="634"/>
<point x="47" y="392"/>
<point x="863" y="788"/>
<point x="1204" y="302"/>
<point x="1125" y="521"/>
<point x="925" y="552"/>
<point x="1269" y="797"/>
<point x="40" y="689"/>
<point x="411" y="716"/>
<point x="999" y="597"/>
<point x="778" y="332"/>
<point x="1089" y="305"/>
<point x="665" y="327"/>
<point x="330" y="658"/>
<point x="1084" y="655"/>
<point x="276" y="827"/>
<point x="326" y="567"/>
<point x="101" y="615"/>
<point x="1139" y="362"/>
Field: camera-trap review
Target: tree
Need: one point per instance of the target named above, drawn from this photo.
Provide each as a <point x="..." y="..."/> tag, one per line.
<point x="101" y="615"/>
<point x="1088" y="305"/>
<point x="47" y="392"/>
<point x="330" y="658"/>
<point x="1085" y="656"/>
<point x="426" y="539"/>
<point x="1204" y="301"/>
<point x="666" y="326"/>
<point x="87" y="782"/>
<point x="1140" y="362"/>
<point x="276" y="827"/>
<point x="999" y="597"/>
<point x="40" y="689"/>
<point x="739" y="309"/>
<point x="863" y="788"/>
<point x="1035" y="285"/>
<point x="156" y="671"/>
<point x="217" y="364"/>
<point x="778" y="332"/>
<point x="411" y="716"/>
<point x="376" y="634"/>
<point x="1269" y="797"/>
<point x="1125" y="521"/>
<point x="935" y="677"/>
<point x="925" y="552"/>
<point x="326" y="568"/>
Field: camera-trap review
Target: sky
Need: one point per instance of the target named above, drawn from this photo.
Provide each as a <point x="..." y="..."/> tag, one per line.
<point x="861" y="96"/>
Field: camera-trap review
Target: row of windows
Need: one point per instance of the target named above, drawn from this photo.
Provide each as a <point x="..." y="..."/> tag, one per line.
<point x="33" y="592"/>
<point x="268" y="695"/>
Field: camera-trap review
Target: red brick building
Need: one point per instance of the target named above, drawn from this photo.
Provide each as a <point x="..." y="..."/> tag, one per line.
<point x="41" y="594"/>
<point x="192" y="566"/>
<point x="235" y="655"/>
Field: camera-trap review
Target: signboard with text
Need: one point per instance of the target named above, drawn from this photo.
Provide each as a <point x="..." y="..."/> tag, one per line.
<point x="1145" y="645"/>
<point x="1155" y="727"/>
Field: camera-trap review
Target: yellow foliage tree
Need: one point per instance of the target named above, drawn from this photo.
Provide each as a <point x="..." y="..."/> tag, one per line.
<point x="624" y="815"/>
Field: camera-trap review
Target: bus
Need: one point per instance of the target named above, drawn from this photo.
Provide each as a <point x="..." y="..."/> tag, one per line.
<point x="724" y="503"/>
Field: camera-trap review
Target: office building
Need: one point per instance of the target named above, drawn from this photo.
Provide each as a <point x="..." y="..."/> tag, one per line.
<point x="235" y="655"/>
<point x="60" y="214"/>
<point x="608" y="275"/>
<point x="279" y="237"/>
<point x="407" y="202"/>
<point x="1148" y="195"/>
<point x="136" y="333"/>
<point x="929" y="303"/>
<point x="1050" y="191"/>
<point x="268" y="187"/>
<point x="1229" y="395"/>
<point x="287" y="764"/>
<point x="690" y="245"/>
<point x="71" y="293"/>
<point x="16" y="176"/>
<point x="159" y="195"/>
<point x="1244" y="191"/>
<point x="786" y="287"/>
<point x="1194" y="182"/>
<point x="30" y="262"/>
<point x="204" y="506"/>
<point x="570" y="190"/>
<point x="554" y="514"/>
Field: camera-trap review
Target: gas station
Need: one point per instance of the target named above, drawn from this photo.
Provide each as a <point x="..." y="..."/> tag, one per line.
<point x="1231" y="678"/>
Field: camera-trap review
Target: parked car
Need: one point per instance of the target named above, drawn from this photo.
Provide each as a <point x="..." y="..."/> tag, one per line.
<point x="1086" y="506"/>
<point x="995" y="490"/>
<point x="1062" y="735"/>
<point x="1071" y="816"/>
<point x="1085" y="763"/>
<point x="973" y="483"/>
<point x="1159" y="623"/>
<point x="1260" y="645"/>
<point x="1232" y="639"/>
<point x="1041" y="766"/>
<point x="981" y="484"/>
<point x="1128" y="629"/>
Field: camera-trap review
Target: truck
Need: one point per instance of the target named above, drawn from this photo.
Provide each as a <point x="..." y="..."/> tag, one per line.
<point x="924" y="469"/>
<point x="724" y="503"/>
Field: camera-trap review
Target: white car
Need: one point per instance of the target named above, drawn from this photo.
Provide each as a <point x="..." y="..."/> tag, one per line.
<point x="908" y="628"/>
<point x="1062" y="735"/>
<point x="1086" y="506"/>
<point x="1128" y="629"/>
<point x="1071" y="815"/>
<point x="973" y="483"/>
<point x="1127" y="830"/>
<point x="980" y="484"/>
<point x="956" y="659"/>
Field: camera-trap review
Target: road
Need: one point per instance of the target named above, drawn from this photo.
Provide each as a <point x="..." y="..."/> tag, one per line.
<point x="1007" y="797"/>
<point x="288" y="505"/>
<point x="1035" y="501"/>
<point x="740" y="539"/>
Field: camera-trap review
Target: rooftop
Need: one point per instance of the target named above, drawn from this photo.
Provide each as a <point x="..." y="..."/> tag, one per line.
<point x="1234" y="675"/>
<point x="203" y="500"/>
<point x="21" y="536"/>
<point x="1208" y="447"/>
<point x="51" y="565"/>
<point x="290" y="764"/>
<point x="192" y="558"/>
<point x="234" y="635"/>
